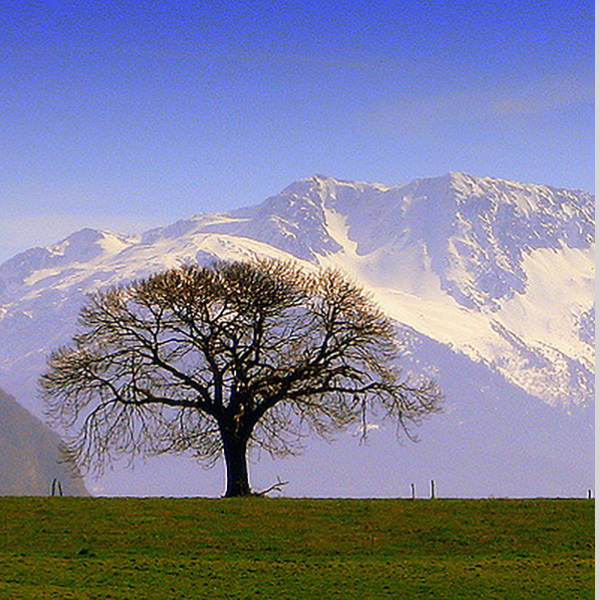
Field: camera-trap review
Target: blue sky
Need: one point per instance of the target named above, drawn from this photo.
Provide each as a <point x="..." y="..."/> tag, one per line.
<point x="125" y="115"/>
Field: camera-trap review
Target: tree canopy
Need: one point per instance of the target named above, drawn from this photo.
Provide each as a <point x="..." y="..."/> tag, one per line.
<point x="216" y="360"/>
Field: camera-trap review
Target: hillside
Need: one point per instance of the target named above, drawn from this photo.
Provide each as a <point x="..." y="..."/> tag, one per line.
<point x="29" y="455"/>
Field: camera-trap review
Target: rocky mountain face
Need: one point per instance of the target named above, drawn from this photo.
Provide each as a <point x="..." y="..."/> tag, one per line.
<point x="491" y="283"/>
<point x="30" y="456"/>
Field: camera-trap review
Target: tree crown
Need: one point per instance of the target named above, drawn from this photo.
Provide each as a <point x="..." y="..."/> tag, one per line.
<point x="264" y="352"/>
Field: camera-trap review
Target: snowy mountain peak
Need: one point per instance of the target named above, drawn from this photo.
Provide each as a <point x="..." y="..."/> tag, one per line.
<point x="80" y="247"/>
<point x="490" y="282"/>
<point x="435" y="249"/>
<point x="86" y="244"/>
<point x="527" y="199"/>
<point x="474" y="232"/>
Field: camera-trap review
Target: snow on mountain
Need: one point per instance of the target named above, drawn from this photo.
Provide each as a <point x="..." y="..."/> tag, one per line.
<point x="479" y="263"/>
<point x="487" y="272"/>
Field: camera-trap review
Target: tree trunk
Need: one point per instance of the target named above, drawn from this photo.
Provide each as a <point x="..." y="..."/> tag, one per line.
<point x="236" y="466"/>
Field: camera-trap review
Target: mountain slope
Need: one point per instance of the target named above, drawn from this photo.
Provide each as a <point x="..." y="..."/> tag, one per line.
<point x="497" y="276"/>
<point x="29" y="454"/>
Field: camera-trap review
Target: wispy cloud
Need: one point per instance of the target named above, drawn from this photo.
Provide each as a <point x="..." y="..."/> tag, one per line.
<point x="499" y="102"/>
<point x="543" y="96"/>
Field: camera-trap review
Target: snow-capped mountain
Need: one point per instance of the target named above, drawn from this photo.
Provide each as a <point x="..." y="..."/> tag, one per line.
<point x="491" y="283"/>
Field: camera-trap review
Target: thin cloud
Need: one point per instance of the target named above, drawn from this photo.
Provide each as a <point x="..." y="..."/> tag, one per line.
<point x="503" y="101"/>
<point x="545" y="96"/>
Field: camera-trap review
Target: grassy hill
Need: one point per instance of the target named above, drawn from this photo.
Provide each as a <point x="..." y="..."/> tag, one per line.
<point x="126" y="548"/>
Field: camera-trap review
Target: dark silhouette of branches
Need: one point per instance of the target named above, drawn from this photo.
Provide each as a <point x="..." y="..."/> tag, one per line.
<point x="214" y="360"/>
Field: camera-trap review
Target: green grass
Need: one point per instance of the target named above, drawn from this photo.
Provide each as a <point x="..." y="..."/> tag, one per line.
<point x="295" y="548"/>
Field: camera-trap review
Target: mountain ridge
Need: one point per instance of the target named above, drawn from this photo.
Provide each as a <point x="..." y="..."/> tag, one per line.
<point x="458" y="259"/>
<point x="483" y="271"/>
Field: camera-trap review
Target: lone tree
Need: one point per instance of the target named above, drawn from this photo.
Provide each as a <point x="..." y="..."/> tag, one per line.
<point x="215" y="360"/>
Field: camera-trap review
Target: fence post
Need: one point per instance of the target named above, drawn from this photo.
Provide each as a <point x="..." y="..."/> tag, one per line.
<point x="432" y="489"/>
<point x="413" y="493"/>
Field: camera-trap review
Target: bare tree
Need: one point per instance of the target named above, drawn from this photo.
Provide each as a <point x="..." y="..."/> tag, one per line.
<point x="215" y="360"/>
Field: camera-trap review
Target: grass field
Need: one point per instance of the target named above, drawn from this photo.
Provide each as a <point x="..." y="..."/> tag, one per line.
<point x="295" y="548"/>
